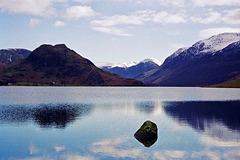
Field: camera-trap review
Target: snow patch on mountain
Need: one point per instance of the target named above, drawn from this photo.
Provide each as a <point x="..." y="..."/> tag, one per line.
<point x="175" y="54"/>
<point x="216" y="43"/>
<point x="154" y="60"/>
<point x="125" y="64"/>
<point x="112" y="65"/>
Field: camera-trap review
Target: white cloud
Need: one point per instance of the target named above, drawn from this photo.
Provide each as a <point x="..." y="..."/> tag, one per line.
<point x="59" y="24"/>
<point x="206" y="33"/>
<point x="164" y="17"/>
<point x="77" y="12"/>
<point x="82" y="1"/>
<point x="112" y="30"/>
<point x="118" y="20"/>
<point x="107" y="24"/>
<point x="32" y="7"/>
<point x="212" y="17"/>
<point x="232" y="16"/>
<point x="203" y="3"/>
<point x="139" y="18"/>
<point x="227" y="16"/>
<point x="177" y="3"/>
<point x="33" y="22"/>
<point x="184" y="3"/>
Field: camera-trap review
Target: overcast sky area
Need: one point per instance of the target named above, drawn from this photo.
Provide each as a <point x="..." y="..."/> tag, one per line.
<point x="115" y="30"/>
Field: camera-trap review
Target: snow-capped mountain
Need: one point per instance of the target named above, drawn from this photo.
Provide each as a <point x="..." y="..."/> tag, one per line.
<point x="112" y="65"/>
<point x="130" y="69"/>
<point x="211" y="61"/>
<point x="216" y="43"/>
<point x="207" y="46"/>
<point x="125" y="65"/>
<point x="13" y="55"/>
<point x="151" y="60"/>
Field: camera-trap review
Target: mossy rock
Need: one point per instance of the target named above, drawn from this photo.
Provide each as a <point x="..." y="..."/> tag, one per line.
<point x="147" y="134"/>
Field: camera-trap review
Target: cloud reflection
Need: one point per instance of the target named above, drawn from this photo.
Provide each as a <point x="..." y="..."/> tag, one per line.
<point x="150" y="107"/>
<point x="108" y="147"/>
<point x="76" y="157"/>
<point x="168" y="154"/>
<point x="59" y="148"/>
<point x="218" y="142"/>
<point x="111" y="148"/>
<point x="33" y="149"/>
<point x="216" y="155"/>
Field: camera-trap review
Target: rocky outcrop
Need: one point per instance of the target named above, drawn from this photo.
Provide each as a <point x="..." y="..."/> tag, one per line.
<point x="147" y="133"/>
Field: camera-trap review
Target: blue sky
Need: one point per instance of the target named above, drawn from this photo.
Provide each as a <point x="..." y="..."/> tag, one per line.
<point x="115" y="30"/>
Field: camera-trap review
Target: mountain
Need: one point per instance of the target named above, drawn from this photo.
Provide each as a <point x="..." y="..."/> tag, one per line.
<point x="131" y="69"/>
<point x="13" y="55"/>
<point x="59" y="65"/>
<point x="207" y="62"/>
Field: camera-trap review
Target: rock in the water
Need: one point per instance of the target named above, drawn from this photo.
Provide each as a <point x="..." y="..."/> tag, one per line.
<point x="147" y="134"/>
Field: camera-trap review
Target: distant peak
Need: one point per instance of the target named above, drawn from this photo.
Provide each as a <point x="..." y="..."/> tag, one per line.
<point x="127" y="64"/>
<point x="15" y="49"/>
<point x="151" y="60"/>
<point x="124" y="65"/>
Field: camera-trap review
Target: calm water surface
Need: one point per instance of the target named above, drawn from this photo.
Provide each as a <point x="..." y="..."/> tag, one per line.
<point x="71" y="123"/>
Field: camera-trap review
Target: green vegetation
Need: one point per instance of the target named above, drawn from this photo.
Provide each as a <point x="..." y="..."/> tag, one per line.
<point x="229" y="84"/>
<point x="35" y="84"/>
<point x="148" y="126"/>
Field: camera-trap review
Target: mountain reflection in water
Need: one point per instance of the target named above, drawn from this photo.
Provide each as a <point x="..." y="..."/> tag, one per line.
<point x="198" y="114"/>
<point x="45" y="115"/>
<point x="218" y="122"/>
<point x="147" y="106"/>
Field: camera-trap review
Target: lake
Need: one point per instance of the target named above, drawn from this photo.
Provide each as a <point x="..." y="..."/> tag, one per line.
<point x="88" y="123"/>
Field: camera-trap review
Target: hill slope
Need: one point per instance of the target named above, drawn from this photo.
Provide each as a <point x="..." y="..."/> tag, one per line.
<point x="59" y="65"/>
